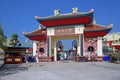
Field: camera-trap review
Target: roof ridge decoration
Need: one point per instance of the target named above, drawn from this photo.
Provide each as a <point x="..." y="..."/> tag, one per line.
<point x="75" y="10"/>
<point x="57" y="12"/>
<point x="66" y="19"/>
<point x="110" y="26"/>
<point x="41" y="27"/>
<point x="94" y="22"/>
<point x="92" y="10"/>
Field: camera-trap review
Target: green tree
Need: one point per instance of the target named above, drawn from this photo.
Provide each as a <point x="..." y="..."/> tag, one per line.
<point x="118" y="55"/>
<point x="14" y="40"/>
<point x="3" y="39"/>
<point x="115" y="56"/>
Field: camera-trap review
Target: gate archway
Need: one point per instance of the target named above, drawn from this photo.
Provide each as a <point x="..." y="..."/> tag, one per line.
<point x="55" y="39"/>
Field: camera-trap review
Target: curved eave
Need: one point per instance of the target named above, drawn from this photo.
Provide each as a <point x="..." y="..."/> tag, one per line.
<point x="84" y="18"/>
<point x="36" y="36"/>
<point x="64" y="16"/>
<point x="63" y="22"/>
<point x="96" y="33"/>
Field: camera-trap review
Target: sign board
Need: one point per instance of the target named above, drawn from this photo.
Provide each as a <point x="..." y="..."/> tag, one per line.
<point x="64" y="31"/>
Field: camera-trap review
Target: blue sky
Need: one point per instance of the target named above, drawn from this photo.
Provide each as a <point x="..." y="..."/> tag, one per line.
<point x="17" y="16"/>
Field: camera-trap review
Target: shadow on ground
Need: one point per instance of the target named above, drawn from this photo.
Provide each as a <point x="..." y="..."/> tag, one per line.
<point x="9" y="69"/>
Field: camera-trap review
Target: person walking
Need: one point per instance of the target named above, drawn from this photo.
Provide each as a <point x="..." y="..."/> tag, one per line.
<point x="26" y="58"/>
<point x="65" y="56"/>
<point x="96" y="57"/>
<point x="61" y="56"/>
<point x="36" y="57"/>
<point x="89" y="56"/>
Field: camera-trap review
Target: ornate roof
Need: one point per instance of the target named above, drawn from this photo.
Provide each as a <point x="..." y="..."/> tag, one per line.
<point x="89" y="31"/>
<point x="75" y="18"/>
<point x="96" y="30"/>
<point x="16" y="49"/>
<point x="66" y="19"/>
<point x="36" y="35"/>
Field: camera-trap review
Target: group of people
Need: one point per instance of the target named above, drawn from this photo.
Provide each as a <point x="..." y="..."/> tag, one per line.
<point x="63" y="56"/>
<point x="28" y="58"/>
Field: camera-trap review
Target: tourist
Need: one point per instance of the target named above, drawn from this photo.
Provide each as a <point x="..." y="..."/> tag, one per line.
<point x="96" y="57"/>
<point x="26" y="58"/>
<point x="65" y="56"/>
<point x="61" y="56"/>
<point x="36" y="57"/>
<point x="89" y="56"/>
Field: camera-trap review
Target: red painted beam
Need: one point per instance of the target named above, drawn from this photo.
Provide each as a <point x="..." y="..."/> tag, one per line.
<point x="94" y="34"/>
<point x="70" y="21"/>
<point x="117" y="47"/>
<point x="37" y="37"/>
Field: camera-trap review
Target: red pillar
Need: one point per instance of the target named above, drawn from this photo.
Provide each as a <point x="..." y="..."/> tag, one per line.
<point x="110" y="43"/>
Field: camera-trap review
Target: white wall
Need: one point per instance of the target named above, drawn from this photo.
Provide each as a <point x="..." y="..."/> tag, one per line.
<point x="99" y="46"/>
<point x="34" y="48"/>
<point x="50" y="31"/>
<point x="79" y="29"/>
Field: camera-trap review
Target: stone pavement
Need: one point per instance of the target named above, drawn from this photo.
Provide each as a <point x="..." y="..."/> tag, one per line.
<point x="61" y="71"/>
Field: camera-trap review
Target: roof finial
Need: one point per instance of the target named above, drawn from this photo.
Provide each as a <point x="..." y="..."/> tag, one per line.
<point x="91" y="10"/>
<point x="110" y="26"/>
<point x="40" y="27"/>
<point x="75" y="10"/>
<point x="94" y="22"/>
<point x="36" y="16"/>
<point x="56" y="12"/>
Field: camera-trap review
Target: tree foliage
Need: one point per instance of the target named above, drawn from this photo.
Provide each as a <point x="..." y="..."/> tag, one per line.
<point x="14" y="40"/>
<point x="118" y="55"/>
<point x="115" y="56"/>
<point x="1" y="31"/>
<point x="3" y="38"/>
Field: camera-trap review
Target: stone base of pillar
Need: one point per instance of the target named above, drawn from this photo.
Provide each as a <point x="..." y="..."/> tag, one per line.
<point x="100" y="58"/>
<point x="46" y="59"/>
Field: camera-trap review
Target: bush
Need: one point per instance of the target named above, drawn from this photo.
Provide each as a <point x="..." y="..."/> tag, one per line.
<point x="113" y="57"/>
<point x="118" y="56"/>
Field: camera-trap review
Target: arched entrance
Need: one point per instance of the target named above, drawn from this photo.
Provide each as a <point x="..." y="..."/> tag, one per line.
<point x="68" y="46"/>
<point x="56" y="45"/>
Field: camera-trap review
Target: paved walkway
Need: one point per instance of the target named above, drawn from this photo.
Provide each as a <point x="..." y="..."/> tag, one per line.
<point x="61" y="71"/>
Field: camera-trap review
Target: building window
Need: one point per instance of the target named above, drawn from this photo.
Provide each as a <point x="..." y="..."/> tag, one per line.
<point x="90" y="48"/>
<point x="42" y="50"/>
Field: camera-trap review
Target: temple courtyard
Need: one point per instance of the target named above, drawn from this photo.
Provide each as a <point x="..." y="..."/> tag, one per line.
<point x="61" y="71"/>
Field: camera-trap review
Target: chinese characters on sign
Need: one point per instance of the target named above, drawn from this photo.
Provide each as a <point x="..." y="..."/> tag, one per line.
<point x="63" y="31"/>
